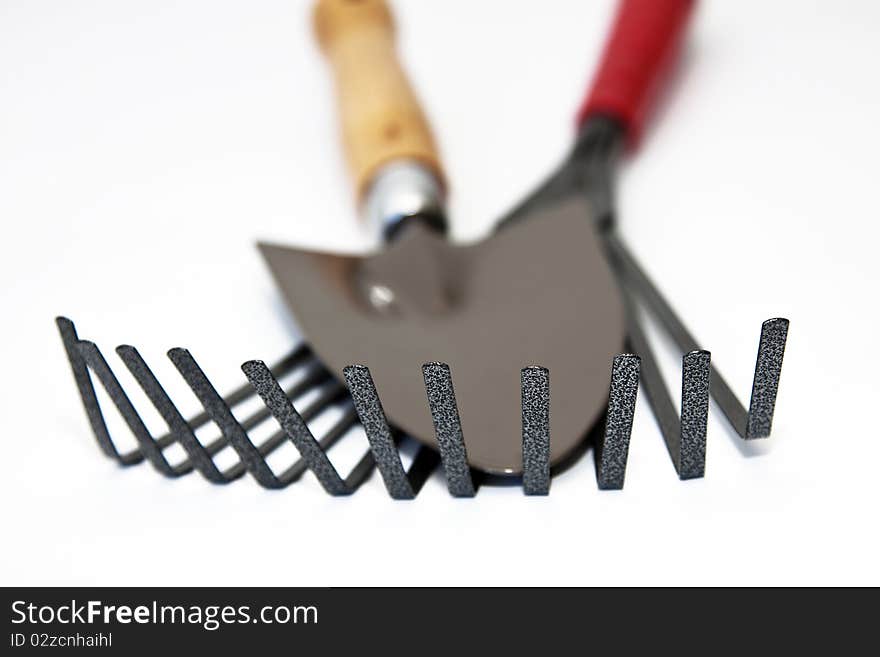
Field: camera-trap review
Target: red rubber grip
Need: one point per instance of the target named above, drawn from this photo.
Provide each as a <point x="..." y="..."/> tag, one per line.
<point x="643" y="42"/>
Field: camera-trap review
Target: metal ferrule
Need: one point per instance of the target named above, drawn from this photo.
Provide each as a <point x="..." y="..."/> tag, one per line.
<point x="403" y="190"/>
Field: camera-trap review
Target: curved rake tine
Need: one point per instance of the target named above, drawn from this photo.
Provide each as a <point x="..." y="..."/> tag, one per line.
<point x="753" y="423"/>
<point x="147" y="446"/>
<point x="372" y="416"/>
<point x="337" y="431"/>
<point x="685" y="436"/>
<point x="298" y="432"/>
<point x="400" y="484"/>
<point x="276" y="440"/>
<point x="85" y="358"/>
<point x="765" y="385"/>
<point x="181" y="432"/>
<point x="447" y="429"/>
<point x="71" y="341"/>
<point x="219" y="412"/>
<point x="612" y="453"/>
<point x="535" y="385"/>
<point x="311" y="380"/>
<point x="287" y="364"/>
<point x="695" y="381"/>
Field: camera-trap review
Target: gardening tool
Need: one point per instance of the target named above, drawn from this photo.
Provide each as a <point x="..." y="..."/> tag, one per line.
<point x="641" y="42"/>
<point x="539" y="292"/>
<point x="642" y="47"/>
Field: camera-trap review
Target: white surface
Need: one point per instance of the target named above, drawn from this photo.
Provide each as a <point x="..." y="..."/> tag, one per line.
<point x="144" y="146"/>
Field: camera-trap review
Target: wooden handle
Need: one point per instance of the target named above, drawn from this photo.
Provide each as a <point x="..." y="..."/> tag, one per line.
<point x="380" y="115"/>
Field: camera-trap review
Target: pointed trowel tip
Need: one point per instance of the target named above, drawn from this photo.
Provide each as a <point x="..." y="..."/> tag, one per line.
<point x="272" y="255"/>
<point x="280" y="257"/>
<point x="269" y="250"/>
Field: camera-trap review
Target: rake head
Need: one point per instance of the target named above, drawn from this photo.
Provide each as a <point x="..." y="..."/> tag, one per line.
<point x="684" y="432"/>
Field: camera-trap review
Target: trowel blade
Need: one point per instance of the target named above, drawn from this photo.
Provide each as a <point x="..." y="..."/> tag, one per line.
<point x="538" y="292"/>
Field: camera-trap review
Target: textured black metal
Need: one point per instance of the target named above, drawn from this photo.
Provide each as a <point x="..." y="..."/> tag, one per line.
<point x="765" y="385"/>
<point x="685" y="436"/>
<point x="613" y="451"/>
<point x="589" y="170"/>
<point x="316" y="459"/>
<point x="222" y="416"/>
<point x="342" y="426"/>
<point x="146" y="444"/>
<point x="379" y="434"/>
<point x="300" y="355"/>
<point x="70" y="340"/>
<point x="197" y="456"/>
<point x="657" y="394"/>
<point x="85" y="355"/>
<point x="695" y="378"/>
<point x="757" y="421"/>
<point x="535" y="383"/>
<point x="447" y="429"/>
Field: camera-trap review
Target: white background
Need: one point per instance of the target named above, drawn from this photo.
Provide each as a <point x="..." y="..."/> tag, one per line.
<point x="145" y="146"/>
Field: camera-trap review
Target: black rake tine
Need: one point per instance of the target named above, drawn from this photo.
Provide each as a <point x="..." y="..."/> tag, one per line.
<point x="324" y="399"/>
<point x="337" y="431"/>
<point x="148" y="447"/>
<point x="447" y="429"/>
<point x="372" y="417"/>
<point x="695" y="380"/>
<point x="687" y="450"/>
<point x="753" y="423"/>
<point x="238" y="470"/>
<point x="535" y="386"/>
<point x="311" y="380"/>
<point x="86" y="389"/>
<point x="197" y="456"/>
<point x="273" y="397"/>
<point x="613" y="452"/>
<point x="222" y="416"/>
<point x="655" y="391"/>
<point x="277" y="439"/>
<point x="299" y="354"/>
<point x="765" y="385"/>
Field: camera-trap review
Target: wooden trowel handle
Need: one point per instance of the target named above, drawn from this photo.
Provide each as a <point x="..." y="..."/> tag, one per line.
<point x="380" y="115"/>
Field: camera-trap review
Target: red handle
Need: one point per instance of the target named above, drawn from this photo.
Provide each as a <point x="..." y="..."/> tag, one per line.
<point x="642" y="45"/>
